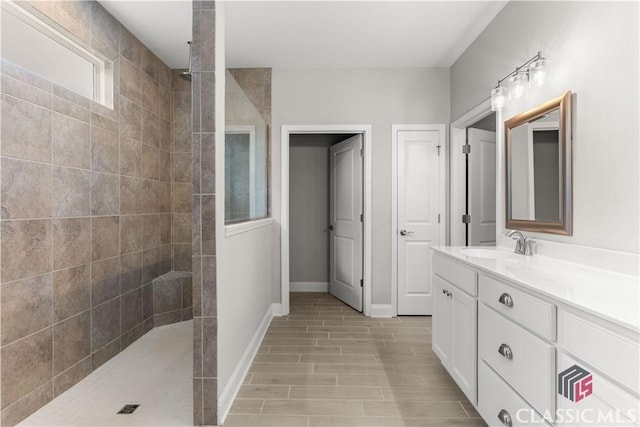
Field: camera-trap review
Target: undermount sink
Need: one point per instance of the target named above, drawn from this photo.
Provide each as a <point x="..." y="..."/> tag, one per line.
<point x="489" y="253"/>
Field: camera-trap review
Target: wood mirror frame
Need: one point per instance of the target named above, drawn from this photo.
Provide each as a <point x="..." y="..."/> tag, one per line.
<point x="564" y="224"/>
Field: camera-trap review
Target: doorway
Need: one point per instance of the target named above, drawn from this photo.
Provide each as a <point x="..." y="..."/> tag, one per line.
<point x="326" y="234"/>
<point x="325" y="199"/>
<point x="473" y="178"/>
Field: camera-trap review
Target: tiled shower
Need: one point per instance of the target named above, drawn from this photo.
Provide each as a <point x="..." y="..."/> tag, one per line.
<point x="96" y="213"/>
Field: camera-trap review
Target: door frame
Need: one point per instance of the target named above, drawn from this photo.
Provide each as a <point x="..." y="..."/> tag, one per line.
<point x="442" y="205"/>
<point x="457" y="169"/>
<point x="287" y="130"/>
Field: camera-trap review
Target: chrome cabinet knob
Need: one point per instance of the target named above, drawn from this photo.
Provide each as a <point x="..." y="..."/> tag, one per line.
<point x="506" y="300"/>
<point x="505" y="418"/>
<point x="505" y="351"/>
<point x="404" y="232"/>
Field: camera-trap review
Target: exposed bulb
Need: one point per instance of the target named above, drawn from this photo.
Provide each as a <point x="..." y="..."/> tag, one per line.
<point x="518" y="85"/>
<point x="498" y="98"/>
<point x="538" y="72"/>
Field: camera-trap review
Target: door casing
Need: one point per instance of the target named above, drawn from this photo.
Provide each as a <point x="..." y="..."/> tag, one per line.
<point x="458" y="196"/>
<point x="286" y="130"/>
<point x="394" y="199"/>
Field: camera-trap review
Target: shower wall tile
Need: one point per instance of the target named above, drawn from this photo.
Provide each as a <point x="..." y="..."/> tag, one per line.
<point x="86" y="196"/>
<point x="71" y="376"/>
<point x="71" y="242"/>
<point x="104" y="150"/>
<point x="26" y="365"/>
<point x="105" y="232"/>
<point x="71" y="342"/>
<point x="26" y="248"/>
<point x="71" y="192"/>
<point x="26" y="130"/>
<point x="71" y="292"/>
<point x="105" y="280"/>
<point x="202" y="247"/>
<point x="27" y="307"/>
<point x="70" y="138"/>
<point x="26" y="189"/>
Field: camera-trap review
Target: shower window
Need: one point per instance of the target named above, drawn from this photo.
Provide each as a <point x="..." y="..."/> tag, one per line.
<point x="245" y="158"/>
<point x="34" y="44"/>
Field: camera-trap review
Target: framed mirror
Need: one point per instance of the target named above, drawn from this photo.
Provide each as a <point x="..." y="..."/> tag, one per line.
<point x="538" y="168"/>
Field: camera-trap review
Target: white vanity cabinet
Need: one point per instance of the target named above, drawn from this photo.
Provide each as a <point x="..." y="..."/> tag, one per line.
<point x="609" y="357"/>
<point x="454" y="322"/>
<point x="533" y="341"/>
<point x="514" y="347"/>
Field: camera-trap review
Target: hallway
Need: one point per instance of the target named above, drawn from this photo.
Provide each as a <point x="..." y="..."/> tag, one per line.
<point x="328" y="365"/>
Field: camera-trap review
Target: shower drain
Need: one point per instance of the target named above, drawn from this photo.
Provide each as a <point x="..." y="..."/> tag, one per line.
<point x="128" y="409"/>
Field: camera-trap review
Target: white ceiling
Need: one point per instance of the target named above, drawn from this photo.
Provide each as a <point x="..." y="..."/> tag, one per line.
<point x="164" y="26"/>
<point x="317" y="34"/>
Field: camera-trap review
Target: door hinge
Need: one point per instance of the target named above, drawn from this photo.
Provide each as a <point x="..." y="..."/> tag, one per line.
<point x="438" y="147"/>
<point x="362" y="152"/>
<point x="361" y="283"/>
<point x="466" y="219"/>
<point x="361" y="217"/>
<point x="466" y="149"/>
<point x="438" y="218"/>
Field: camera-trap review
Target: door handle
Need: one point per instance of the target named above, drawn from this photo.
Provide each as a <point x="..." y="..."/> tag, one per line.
<point x="330" y="227"/>
<point x="404" y="232"/>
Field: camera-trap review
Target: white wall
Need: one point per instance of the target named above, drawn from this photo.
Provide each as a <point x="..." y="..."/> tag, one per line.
<point x="593" y="51"/>
<point x="379" y="97"/>
<point x="309" y="218"/>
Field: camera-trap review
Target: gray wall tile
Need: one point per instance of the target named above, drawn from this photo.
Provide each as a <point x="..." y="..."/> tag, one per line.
<point x="71" y="242"/>
<point x="71" y="292"/>
<point x="26" y="248"/>
<point x="27" y="307"/>
<point x="71" y="342"/>
<point x="26" y="189"/>
<point x="26" y="130"/>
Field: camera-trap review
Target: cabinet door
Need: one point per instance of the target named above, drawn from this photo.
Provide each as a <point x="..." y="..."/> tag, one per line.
<point x="441" y="326"/>
<point x="463" y="360"/>
<point x="597" y="403"/>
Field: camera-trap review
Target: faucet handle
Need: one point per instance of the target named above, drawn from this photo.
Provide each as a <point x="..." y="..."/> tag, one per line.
<point x="529" y="243"/>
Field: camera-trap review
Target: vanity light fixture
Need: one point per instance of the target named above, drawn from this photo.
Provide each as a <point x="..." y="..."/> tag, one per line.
<point x="531" y="72"/>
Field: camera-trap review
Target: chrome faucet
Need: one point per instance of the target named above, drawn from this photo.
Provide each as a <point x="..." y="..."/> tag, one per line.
<point x="523" y="244"/>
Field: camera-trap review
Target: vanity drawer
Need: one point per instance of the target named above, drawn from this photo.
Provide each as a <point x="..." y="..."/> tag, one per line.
<point x="524" y="361"/>
<point x="529" y="311"/>
<point x="456" y="273"/>
<point x="496" y="399"/>
<point x="605" y="350"/>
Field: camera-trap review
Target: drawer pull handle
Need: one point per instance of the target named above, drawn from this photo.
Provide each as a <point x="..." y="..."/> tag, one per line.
<point x="505" y="351"/>
<point x="506" y="300"/>
<point x="505" y="418"/>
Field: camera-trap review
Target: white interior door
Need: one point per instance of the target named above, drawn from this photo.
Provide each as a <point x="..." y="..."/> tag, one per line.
<point x="419" y="185"/>
<point x="482" y="187"/>
<point x="345" y="216"/>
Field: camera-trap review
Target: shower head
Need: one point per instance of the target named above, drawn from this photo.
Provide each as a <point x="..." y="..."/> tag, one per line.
<point x="186" y="75"/>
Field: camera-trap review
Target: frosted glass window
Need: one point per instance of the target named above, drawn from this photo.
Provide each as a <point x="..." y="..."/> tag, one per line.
<point x="34" y="45"/>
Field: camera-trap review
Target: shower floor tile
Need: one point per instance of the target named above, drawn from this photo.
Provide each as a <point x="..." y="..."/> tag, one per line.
<point x="154" y="372"/>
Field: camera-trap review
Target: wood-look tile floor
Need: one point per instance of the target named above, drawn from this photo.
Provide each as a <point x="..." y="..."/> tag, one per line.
<point x="327" y="365"/>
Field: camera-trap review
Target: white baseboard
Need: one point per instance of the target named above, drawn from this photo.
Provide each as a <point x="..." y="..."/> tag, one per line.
<point x="240" y="372"/>
<point x="277" y="309"/>
<point x="309" y="286"/>
<point x="381" y="310"/>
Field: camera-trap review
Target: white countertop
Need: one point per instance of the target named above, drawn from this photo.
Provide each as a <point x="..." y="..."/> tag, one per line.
<point x="606" y="294"/>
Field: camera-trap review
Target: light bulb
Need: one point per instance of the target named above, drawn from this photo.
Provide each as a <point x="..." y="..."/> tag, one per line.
<point x="498" y="98"/>
<point x="538" y="72"/>
<point x="518" y="84"/>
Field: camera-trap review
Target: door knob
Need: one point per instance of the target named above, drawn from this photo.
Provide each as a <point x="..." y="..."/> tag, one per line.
<point x="404" y="232"/>
<point x="330" y="227"/>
